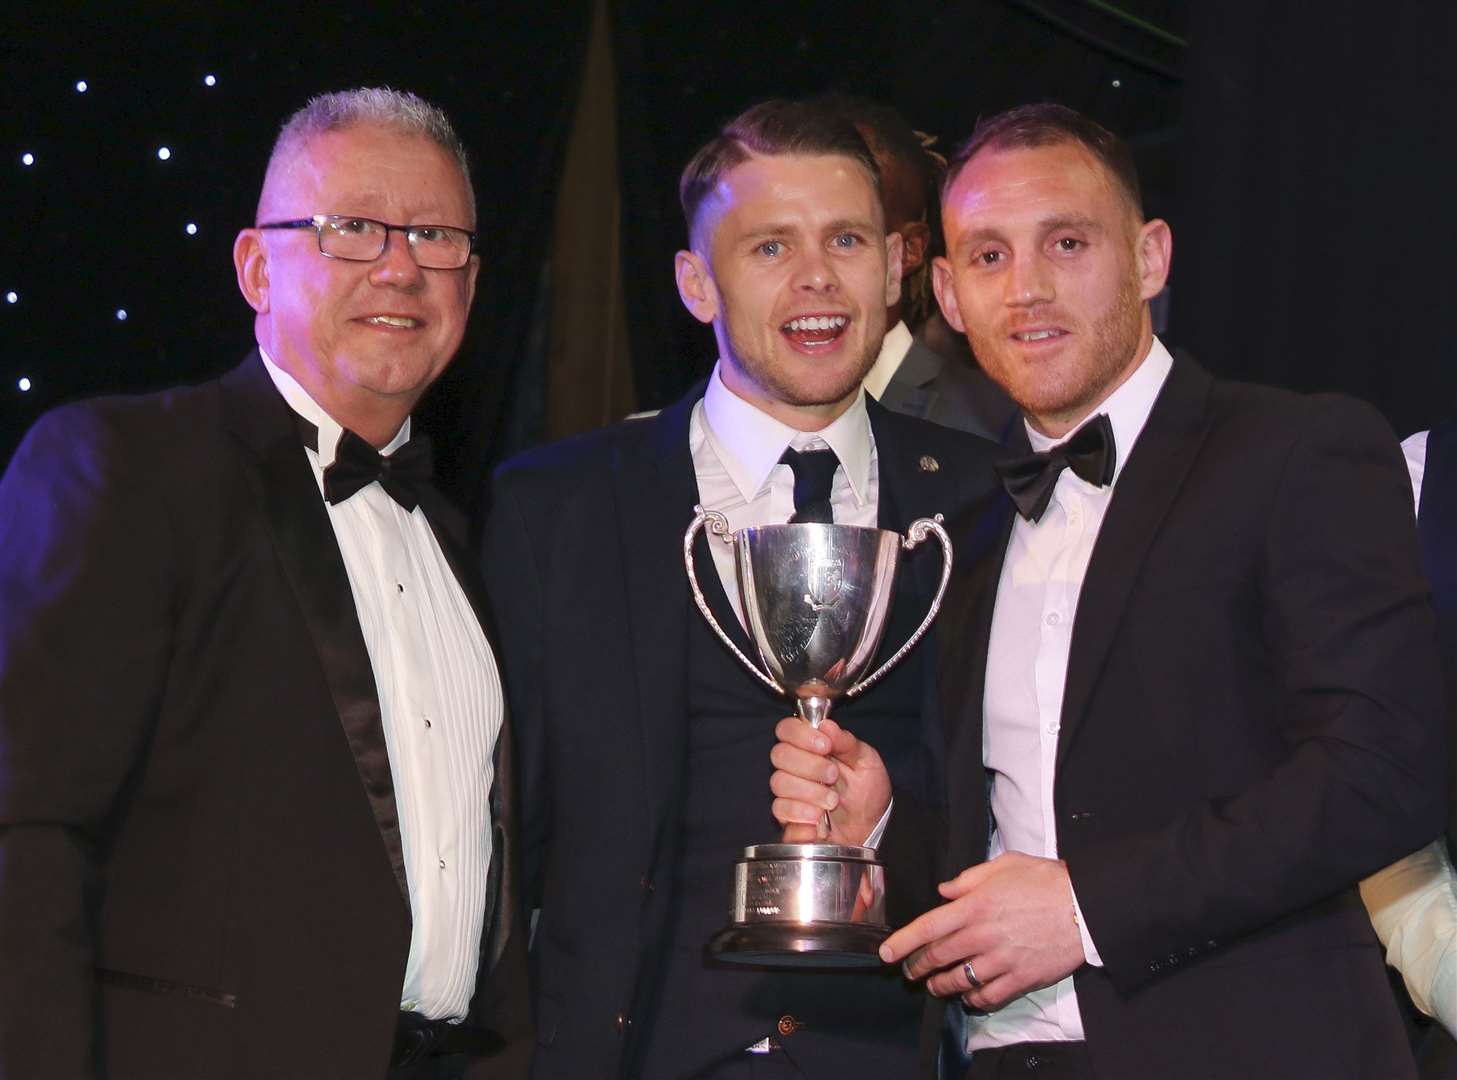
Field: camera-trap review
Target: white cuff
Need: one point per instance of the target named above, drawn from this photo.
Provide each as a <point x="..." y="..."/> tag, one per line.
<point x="1090" y="951"/>
<point x="878" y="833"/>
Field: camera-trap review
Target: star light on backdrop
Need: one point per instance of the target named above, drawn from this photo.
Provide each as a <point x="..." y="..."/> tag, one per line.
<point x="23" y="384"/>
<point x="27" y="158"/>
<point x="164" y="153"/>
<point x="190" y="228"/>
<point x="121" y="314"/>
<point x="12" y="297"/>
<point x="81" y="86"/>
<point x="209" y="80"/>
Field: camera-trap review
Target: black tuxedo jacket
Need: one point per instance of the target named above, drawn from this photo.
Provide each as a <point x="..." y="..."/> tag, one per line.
<point x="200" y="862"/>
<point x="584" y="562"/>
<point x="1252" y="723"/>
<point x="950" y="392"/>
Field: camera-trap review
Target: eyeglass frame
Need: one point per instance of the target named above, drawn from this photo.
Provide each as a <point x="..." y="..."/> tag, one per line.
<point x="318" y="221"/>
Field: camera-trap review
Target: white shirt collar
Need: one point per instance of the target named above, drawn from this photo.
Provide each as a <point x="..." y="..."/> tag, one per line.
<point x="1127" y="407"/>
<point x="329" y="429"/>
<point x="750" y="442"/>
<point x="892" y="351"/>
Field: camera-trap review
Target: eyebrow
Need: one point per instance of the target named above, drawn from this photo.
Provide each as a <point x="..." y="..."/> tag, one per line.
<point x="776" y="229"/>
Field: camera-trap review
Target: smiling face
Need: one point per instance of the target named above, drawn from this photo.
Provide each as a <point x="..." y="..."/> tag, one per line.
<point x="1048" y="272"/>
<point x="792" y="267"/>
<point x="365" y="339"/>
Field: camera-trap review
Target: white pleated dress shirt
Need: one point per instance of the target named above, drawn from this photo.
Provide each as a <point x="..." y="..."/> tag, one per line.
<point x="442" y="709"/>
<point x="1026" y="673"/>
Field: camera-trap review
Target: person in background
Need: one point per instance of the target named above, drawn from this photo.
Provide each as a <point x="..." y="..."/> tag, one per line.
<point x="1413" y="903"/>
<point x="910" y="375"/>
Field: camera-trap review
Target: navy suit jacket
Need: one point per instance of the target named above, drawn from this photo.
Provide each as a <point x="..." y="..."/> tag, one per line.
<point x="584" y="562"/>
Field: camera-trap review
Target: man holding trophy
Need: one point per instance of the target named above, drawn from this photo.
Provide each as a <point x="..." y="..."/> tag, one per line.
<point x="1193" y="694"/>
<point x="645" y="744"/>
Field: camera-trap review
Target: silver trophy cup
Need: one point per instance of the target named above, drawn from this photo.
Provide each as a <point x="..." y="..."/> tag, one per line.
<point x="815" y="600"/>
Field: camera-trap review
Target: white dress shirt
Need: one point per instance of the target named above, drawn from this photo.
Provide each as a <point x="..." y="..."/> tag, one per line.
<point x="736" y="450"/>
<point x="893" y="349"/>
<point x="442" y="709"/>
<point x="1031" y="634"/>
<point x="1413" y="903"/>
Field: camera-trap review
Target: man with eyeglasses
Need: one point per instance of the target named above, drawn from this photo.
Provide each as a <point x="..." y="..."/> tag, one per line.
<point x="254" y="784"/>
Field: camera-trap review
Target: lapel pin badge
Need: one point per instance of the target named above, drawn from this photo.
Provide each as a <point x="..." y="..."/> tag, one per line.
<point x="929" y="464"/>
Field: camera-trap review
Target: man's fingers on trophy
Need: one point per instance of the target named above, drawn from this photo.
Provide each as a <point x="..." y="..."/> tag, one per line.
<point x="794" y="762"/>
<point x="796" y="812"/>
<point x="801" y="834"/>
<point x="795" y="732"/>
<point x="788" y="786"/>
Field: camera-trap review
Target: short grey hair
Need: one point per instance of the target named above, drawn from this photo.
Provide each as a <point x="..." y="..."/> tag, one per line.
<point x="383" y="106"/>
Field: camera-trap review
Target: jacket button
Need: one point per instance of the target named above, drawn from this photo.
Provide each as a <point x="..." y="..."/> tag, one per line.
<point x="648" y="884"/>
<point x="788" y="1025"/>
<point x="623" y="1022"/>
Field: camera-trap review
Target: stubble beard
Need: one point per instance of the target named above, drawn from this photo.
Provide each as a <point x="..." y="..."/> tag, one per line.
<point x="767" y="376"/>
<point x="1079" y="386"/>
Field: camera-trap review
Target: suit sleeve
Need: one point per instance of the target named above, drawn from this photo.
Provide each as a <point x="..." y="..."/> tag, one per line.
<point x="85" y="596"/>
<point x="1350" y="639"/>
<point x="512" y="571"/>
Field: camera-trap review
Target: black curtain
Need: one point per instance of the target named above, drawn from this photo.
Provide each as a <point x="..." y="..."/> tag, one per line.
<point x="1318" y="182"/>
<point x="942" y="64"/>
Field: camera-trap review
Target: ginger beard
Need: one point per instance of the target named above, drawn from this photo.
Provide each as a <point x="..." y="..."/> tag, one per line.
<point x="1108" y="347"/>
<point x="1048" y="274"/>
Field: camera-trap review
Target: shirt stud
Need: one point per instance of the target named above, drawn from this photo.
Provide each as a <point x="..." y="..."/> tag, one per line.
<point x="929" y="464"/>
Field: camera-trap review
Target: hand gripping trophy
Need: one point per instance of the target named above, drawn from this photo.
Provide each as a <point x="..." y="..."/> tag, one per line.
<point x="815" y="600"/>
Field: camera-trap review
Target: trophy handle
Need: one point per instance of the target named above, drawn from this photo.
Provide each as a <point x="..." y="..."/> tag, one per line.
<point x="718" y="526"/>
<point x="915" y="536"/>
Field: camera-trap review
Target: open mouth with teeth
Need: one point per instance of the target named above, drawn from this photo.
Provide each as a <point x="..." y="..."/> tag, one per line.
<point x="1032" y="337"/>
<point x="392" y="322"/>
<point x="814" y="332"/>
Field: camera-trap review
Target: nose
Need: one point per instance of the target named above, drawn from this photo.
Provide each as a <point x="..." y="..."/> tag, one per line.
<point x="396" y="264"/>
<point x="815" y="271"/>
<point x="1029" y="282"/>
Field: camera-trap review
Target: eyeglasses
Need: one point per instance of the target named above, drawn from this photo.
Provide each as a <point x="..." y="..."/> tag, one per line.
<point x="357" y="239"/>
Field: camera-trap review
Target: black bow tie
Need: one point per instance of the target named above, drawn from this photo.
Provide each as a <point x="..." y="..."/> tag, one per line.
<point x="1029" y="479"/>
<point x="356" y="465"/>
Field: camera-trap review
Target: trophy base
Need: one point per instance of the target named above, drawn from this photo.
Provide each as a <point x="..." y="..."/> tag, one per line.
<point x="805" y="905"/>
<point x="783" y="945"/>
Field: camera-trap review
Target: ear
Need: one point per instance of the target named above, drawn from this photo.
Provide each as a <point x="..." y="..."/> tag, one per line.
<point x="916" y="235"/>
<point x="250" y="262"/>
<point x="894" y="260"/>
<point x="1153" y="248"/>
<point x="472" y="268"/>
<point x="944" y="283"/>
<point x="695" y="286"/>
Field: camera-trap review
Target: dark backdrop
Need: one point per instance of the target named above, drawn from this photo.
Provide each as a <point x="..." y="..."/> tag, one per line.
<point x="1299" y="151"/>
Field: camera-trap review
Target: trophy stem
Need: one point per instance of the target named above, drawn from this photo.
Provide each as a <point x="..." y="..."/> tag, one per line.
<point x="813" y="709"/>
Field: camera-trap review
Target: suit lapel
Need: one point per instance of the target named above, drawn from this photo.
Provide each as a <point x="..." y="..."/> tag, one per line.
<point x="309" y="556"/>
<point x="1145" y="489"/>
<point x="656" y="490"/>
<point x="912" y="389"/>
